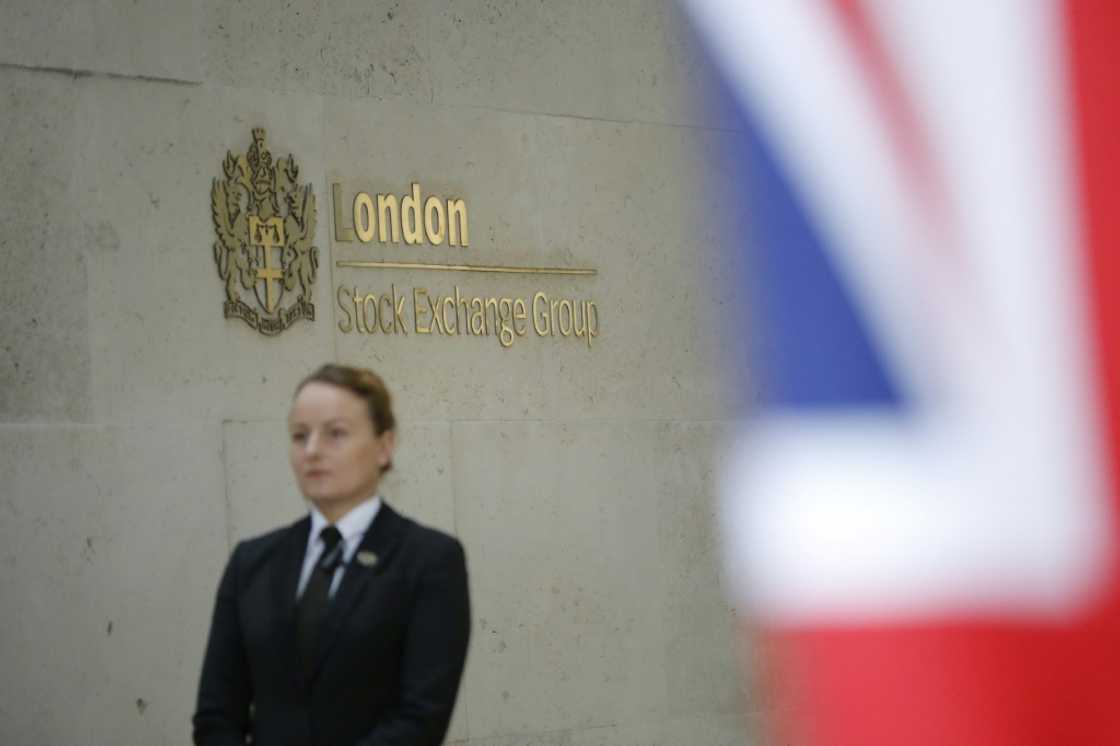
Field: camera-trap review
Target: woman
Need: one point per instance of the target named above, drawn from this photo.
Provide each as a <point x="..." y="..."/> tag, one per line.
<point x="350" y="626"/>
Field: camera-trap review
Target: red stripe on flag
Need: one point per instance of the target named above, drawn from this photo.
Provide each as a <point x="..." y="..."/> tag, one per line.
<point x="978" y="682"/>
<point x="1093" y="32"/>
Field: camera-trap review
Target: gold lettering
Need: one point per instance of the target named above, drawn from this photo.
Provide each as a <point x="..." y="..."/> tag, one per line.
<point x="381" y="319"/>
<point x="363" y="217"/>
<point x="462" y="304"/>
<point x="417" y="218"/>
<point x="342" y="233"/>
<point x="433" y="206"/>
<point x="566" y="305"/>
<point x="358" y="315"/>
<point x="342" y="295"/>
<point x="492" y="305"/>
<point x="457" y="229"/>
<point x="387" y="214"/>
<point x="540" y="315"/>
<point x="449" y="304"/>
<point x="410" y="216"/>
<point x="478" y="317"/>
<point x="370" y="328"/>
<point x="592" y="329"/>
<point x="505" y="334"/>
<point x="417" y="310"/>
<point x="437" y="323"/>
<point x="398" y="312"/>
<point x="519" y="315"/>
<point x="580" y="319"/>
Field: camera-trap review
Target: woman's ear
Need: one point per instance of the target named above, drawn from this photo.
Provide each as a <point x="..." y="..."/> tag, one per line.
<point x="388" y="442"/>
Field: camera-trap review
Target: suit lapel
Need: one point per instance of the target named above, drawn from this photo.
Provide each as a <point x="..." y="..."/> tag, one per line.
<point x="285" y="581"/>
<point x="380" y="541"/>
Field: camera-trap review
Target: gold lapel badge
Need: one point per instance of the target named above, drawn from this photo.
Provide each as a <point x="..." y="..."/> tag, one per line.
<point x="367" y="559"/>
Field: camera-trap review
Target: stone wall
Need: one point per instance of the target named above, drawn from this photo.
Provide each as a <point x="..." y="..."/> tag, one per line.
<point x="142" y="434"/>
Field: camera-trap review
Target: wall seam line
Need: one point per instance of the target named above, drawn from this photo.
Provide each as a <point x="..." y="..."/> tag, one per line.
<point x="222" y="449"/>
<point x="78" y="72"/>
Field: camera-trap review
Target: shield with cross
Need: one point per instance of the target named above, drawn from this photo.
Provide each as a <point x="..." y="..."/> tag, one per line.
<point x="267" y="239"/>
<point x="265" y="224"/>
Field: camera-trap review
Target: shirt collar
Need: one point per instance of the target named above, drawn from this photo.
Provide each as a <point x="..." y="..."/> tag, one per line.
<point x="352" y="525"/>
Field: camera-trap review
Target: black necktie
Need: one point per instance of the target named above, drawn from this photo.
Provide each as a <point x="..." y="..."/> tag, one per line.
<point x="316" y="596"/>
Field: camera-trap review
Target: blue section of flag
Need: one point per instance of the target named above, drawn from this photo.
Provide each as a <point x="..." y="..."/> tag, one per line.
<point x="808" y="344"/>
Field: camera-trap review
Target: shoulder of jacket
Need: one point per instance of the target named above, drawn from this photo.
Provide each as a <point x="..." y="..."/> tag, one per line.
<point x="433" y="542"/>
<point x="253" y="550"/>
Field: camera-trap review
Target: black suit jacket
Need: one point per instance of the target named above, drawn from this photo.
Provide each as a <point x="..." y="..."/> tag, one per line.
<point x="391" y="650"/>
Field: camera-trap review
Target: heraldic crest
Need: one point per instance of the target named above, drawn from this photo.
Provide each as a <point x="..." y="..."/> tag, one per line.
<point x="265" y="222"/>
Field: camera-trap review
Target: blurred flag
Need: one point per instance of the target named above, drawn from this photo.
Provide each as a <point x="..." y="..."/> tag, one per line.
<point x="922" y="513"/>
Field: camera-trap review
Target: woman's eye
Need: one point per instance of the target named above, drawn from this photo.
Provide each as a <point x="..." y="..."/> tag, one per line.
<point x="337" y="433"/>
<point x="299" y="437"/>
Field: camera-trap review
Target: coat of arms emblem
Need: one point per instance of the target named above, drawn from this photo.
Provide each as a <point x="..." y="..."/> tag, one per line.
<point x="265" y="222"/>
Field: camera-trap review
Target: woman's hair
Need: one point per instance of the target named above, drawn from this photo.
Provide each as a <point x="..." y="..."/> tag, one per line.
<point x="365" y="384"/>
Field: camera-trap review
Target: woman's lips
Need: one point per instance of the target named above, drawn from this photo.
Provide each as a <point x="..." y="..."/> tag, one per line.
<point x="315" y="473"/>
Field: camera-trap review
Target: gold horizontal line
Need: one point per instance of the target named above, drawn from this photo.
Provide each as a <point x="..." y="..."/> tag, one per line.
<point x="471" y="268"/>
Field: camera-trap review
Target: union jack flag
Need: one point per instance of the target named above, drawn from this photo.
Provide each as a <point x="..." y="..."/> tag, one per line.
<point x="921" y="515"/>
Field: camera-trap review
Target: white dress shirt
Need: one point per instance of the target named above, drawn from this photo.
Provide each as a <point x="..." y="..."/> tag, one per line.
<point x="352" y="526"/>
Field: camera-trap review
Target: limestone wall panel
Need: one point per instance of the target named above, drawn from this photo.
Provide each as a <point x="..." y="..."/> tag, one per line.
<point x="113" y="542"/>
<point x="484" y="157"/>
<point x="148" y="39"/>
<point x="548" y="193"/>
<point x="487" y="159"/>
<point x="727" y="730"/>
<point x="160" y="347"/>
<point x="666" y="67"/>
<point x="622" y="194"/>
<point x="261" y="491"/>
<point x="352" y="48"/>
<point x="44" y="348"/>
<point x="581" y="574"/>
<point x="529" y="56"/>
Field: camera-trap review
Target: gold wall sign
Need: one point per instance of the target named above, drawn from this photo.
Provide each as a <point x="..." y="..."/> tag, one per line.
<point x="453" y="314"/>
<point x="438" y="310"/>
<point x="265" y="224"/>
<point x="401" y="218"/>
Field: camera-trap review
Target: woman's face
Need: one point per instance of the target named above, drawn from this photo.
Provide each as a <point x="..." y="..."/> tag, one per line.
<point x="335" y="454"/>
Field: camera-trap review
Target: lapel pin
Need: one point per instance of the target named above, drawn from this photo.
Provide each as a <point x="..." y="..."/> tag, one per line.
<point x="367" y="559"/>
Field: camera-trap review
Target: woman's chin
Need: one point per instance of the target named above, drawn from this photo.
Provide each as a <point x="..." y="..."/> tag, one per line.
<point x="328" y="500"/>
